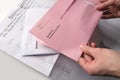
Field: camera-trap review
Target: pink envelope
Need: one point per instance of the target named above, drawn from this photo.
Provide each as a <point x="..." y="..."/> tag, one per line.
<point x="67" y="25"/>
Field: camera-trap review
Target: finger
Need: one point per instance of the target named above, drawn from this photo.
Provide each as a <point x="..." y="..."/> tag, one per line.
<point x="107" y="16"/>
<point x="102" y="1"/>
<point x="93" y="44"/>
<point x="88" y="50"/>
<point x="105" y="4"/>
<point x="89" y="44"/>
<point x="83" y="62"/>
<point x="88" y="57"/>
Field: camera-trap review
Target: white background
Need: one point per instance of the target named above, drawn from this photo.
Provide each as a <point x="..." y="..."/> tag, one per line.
<point x="10" y="68"/>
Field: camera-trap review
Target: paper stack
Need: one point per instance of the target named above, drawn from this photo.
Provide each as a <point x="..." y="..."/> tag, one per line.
<point x="72" y="30"/>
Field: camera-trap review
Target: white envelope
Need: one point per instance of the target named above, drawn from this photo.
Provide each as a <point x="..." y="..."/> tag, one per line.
<point x="30" y="46"/>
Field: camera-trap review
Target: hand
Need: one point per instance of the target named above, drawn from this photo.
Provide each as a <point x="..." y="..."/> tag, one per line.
<point x="111" y="8"/>
<point x="100" y="61"/>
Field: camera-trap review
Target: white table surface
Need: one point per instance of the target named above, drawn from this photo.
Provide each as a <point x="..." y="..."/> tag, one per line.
<point x="10" y="68"/>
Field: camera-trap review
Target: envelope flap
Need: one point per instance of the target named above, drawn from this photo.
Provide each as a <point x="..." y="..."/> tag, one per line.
<point x="61" y="7"/>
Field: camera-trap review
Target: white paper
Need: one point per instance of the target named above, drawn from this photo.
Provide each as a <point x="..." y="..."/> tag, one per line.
<point x="30" y="46"/>
<point x="11" y="30"/>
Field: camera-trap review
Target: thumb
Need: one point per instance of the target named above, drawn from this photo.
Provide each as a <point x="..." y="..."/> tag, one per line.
<point x="88" y="50"/>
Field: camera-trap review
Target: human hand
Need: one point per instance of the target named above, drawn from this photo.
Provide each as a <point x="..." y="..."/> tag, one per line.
<point x="100" y="61"/>
<point x="111" y="8"/>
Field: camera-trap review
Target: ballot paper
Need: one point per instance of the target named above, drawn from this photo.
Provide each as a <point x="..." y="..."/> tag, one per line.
<point x="11" y="34"/>
<point x="67" y="25"/>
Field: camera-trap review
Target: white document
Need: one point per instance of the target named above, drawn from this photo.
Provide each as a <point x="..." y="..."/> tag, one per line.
<point x="30" y="46"/>
<point x="11" y="32"/>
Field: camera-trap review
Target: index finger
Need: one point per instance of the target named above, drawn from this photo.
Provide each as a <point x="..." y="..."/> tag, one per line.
<point x="89" y="50"/>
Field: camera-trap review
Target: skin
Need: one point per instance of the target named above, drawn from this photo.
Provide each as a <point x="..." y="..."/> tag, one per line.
<point x="111" y="8"/>
<point x="102" y="61"/>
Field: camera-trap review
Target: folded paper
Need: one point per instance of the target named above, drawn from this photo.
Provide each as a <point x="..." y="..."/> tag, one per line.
<point x="67" y="25"/>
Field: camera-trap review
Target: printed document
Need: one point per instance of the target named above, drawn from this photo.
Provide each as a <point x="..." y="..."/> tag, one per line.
<point x="11" y="36"/>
